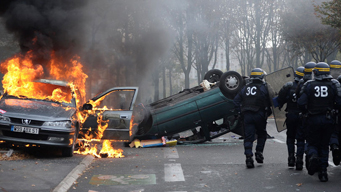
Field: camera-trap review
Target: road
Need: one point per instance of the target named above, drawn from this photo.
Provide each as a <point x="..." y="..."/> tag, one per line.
<point x="215" y="166"/>
<point x="212" y="166"/>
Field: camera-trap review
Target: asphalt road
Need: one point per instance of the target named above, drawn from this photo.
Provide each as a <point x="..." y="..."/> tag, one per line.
<point x="42" y="171"/>
<point x="212" y="166"/>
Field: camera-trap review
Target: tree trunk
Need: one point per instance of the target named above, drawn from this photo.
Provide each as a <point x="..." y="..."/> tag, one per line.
<point x="170" y="82"/>
<point x="164" y="81"/>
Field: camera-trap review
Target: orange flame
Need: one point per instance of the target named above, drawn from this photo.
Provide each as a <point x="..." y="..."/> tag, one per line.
<point x="132" y="125"/>
<point x="107" y="149"/>
<point x="20" y="74"/>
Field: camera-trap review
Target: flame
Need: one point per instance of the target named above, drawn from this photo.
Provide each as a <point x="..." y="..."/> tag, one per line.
<point x="132" y="125"/>
<point x="107" y="150"/>
<point x="92" y="137"/>
<point x="21" y="73"/>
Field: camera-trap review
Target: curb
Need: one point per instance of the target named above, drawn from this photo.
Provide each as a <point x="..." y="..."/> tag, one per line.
<point x="68" y="181"/>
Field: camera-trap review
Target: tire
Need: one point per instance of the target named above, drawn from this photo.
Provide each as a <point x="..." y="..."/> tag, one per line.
<point x="68" y="151"/>
<point x="213" y="75"/>
<point x="230" y="84"/>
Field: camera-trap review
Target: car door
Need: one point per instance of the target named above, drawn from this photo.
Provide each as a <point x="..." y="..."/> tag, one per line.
<point x="110" y="113"/>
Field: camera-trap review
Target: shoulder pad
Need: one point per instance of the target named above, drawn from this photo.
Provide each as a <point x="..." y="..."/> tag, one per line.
<point x="309" y="81"/>
<point x="288" y="84"/>
<point x="338" y="86"/>
<point x="334" y="81"/>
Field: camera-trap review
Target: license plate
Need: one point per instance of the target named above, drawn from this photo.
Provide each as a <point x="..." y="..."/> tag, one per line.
<point x="21" y="129"/>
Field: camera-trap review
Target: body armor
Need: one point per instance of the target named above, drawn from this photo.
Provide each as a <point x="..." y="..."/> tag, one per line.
<point x="253" y="100"/>
<point x="321" y="99"/>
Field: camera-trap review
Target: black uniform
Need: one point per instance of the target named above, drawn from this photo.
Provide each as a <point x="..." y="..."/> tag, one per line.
<point x="253" y="101"/>
<point x="318" y="99"/>
<point x="293" y="121"/>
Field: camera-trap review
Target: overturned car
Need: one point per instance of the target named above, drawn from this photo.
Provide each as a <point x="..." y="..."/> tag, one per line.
<point x="198" y="107"/>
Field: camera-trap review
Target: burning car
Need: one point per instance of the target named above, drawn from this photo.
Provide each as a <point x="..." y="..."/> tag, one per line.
<point x="200" y="106"/>
<point x="46" y="118"/>
<point x="107" y="116"/>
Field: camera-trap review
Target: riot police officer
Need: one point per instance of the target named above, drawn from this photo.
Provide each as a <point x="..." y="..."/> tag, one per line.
<point x="253" y="101"/>
<point x="335" y="70"/>
<point x="287" y="95"/>
<point x="318" y="98"/>
<point x="301" y="132"/>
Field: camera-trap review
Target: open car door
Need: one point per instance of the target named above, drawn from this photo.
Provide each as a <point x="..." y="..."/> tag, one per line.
<point x="109" y="113"/>
<point x="275" y="82"/>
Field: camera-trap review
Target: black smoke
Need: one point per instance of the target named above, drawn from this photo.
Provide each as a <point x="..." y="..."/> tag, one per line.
<point x="120" y="42"/>
<point x="45" y="26"/>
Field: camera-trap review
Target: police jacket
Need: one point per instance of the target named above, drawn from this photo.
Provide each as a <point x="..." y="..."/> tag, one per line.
<point x="320" y="96"/>
<point x="287" y="95"/>
<point x="253" y="97"/>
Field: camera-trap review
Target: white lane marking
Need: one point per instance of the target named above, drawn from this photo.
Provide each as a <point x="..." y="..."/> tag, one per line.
<point x="278" y="141"/>
<point x="173" y="172"/>
<point x="171" y="152"/>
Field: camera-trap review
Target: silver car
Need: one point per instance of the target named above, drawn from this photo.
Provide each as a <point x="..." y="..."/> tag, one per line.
<point x="43" y="122"/>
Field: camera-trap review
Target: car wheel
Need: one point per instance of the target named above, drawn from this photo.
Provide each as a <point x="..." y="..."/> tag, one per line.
<point x="213" y="75"/>
<point x="230" y="83"/>
<point x="68" y="151"/>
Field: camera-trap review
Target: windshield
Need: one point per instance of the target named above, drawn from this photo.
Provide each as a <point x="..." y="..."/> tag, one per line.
<point x="46" y="92"/>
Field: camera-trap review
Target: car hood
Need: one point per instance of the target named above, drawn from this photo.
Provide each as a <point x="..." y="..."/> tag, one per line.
<point x="34" y="109"/>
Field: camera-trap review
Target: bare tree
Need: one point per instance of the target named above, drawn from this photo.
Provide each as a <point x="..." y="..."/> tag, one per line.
<point x="307" y="33"/>
<point x="182" y="23"/>
<point x="206" y="31"/>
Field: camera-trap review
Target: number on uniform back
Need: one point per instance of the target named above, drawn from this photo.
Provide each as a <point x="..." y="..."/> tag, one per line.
<point x="321" y="91"/>
<point x="251" y="90"/>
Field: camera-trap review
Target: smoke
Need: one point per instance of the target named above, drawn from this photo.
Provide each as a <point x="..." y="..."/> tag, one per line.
<point x="45" y="26"/>
<point x="126" y="38"/>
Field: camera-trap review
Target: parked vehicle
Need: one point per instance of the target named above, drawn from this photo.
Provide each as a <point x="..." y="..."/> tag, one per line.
<point x="197" y="107"/>
<point x="44" y="121"/>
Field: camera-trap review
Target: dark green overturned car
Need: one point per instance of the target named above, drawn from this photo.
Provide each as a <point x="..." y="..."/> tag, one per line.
<point x="191" y="109"/>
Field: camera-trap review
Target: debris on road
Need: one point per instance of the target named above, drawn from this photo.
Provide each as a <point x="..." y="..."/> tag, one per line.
<point x="10" y="155"/>
<point x="153" y="143"/>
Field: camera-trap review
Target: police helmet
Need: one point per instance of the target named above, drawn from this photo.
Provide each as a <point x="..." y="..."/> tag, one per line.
<point x="321" y="71"/>
<point x="257" y="73"/>
<point x="335" y="64"/>
<point x="308" y="67"/>
<point x="299" y="73"/>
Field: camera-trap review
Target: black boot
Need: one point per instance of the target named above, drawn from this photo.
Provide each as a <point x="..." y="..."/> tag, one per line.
<point x="259" y="157"/>
<point x="291" y="160"/>
<point x="323" y="176"/>
<point x="336" y="154"/>
<point x="249" y="162"/>
<point x="313" y="165"/>
<point x="299" y="163"/>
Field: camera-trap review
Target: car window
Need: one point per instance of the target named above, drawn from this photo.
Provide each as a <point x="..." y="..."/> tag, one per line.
<point x="118" y="99"/>
<point x="47" y="92"/>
